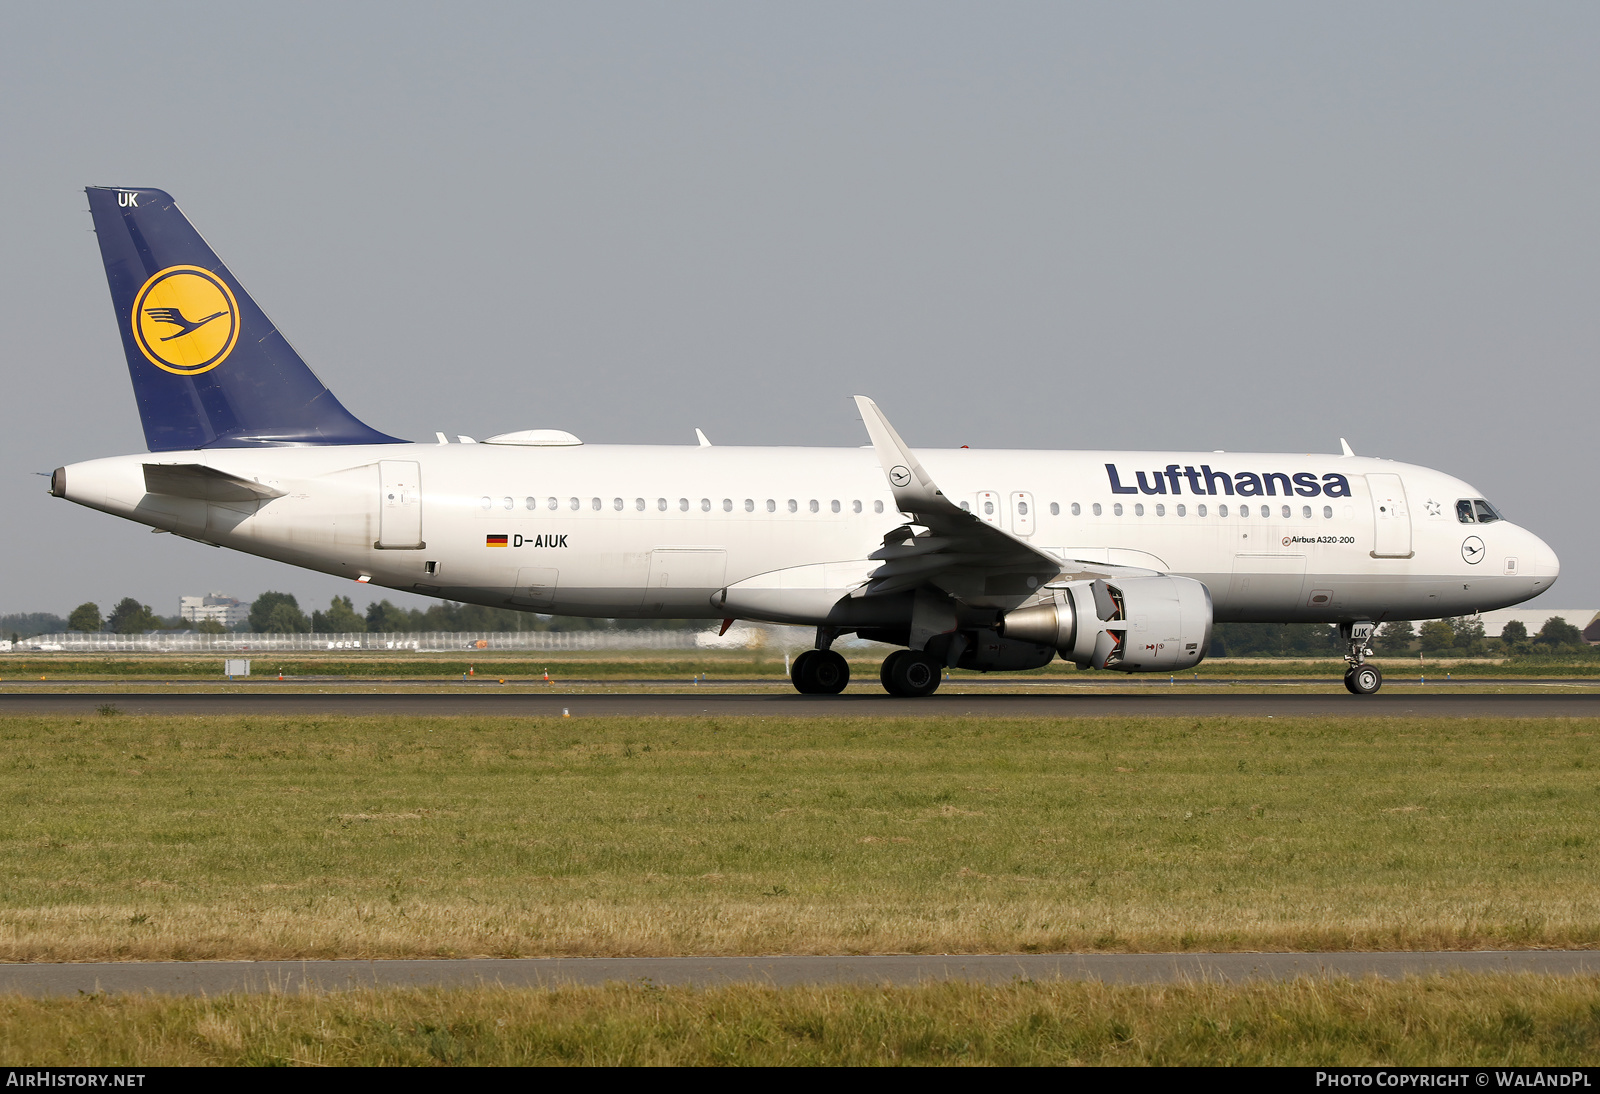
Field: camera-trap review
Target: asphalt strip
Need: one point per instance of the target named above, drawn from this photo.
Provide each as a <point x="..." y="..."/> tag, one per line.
<point x="224" y="977"/>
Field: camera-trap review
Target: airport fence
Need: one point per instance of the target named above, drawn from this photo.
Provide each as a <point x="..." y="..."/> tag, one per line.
<point x="424" y="641"/>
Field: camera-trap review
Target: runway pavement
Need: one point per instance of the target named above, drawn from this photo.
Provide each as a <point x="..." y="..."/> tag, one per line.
<point x="221" y="977"/>
<point x="1078" y="704"/>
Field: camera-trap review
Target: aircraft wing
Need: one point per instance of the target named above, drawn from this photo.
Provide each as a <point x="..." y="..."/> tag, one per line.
<point x="962" y="554"/>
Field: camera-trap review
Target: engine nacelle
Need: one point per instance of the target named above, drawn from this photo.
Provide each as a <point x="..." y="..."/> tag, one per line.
<point x="1133" y="624"/>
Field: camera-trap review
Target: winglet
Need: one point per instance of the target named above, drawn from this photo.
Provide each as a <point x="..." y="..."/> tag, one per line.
<point x="1344" y="444"/>
<point x="701" y="437"/>
<point x="914" y="489"/>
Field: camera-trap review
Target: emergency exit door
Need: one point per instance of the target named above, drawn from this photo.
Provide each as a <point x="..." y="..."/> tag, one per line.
<point x="399" y="506"/>
<point x="1391" y="518"/>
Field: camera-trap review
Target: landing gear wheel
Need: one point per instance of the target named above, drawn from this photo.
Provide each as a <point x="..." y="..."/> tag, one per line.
<point x="1363" y="680"/>
<point x="910" y="674"/>
<point x="798" y="676"/>
<point x="825" y="672"/>
<point x="819" y="672"/>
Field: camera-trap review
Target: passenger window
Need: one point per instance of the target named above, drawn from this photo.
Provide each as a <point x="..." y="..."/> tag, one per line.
<point x="661" y="504"/>
<point x="855" y="507"/>
<point x="487" y="502"/>
<point x="1077" y="510"/>
<point x="638" y="503"/>
<point x="794" y="506"/>
<point x="1464" y="512"/>
<point x="1486" y="512"/>
<point x="1161" y="510"/>
<point x="1022" y="508"/>
<point x="575" y="504"/>
<point x="1097" y="509"/>
<point x="834" y="505"/>
<point x="965" y="508"/>
<point x="1305" y="511"/>
<point x="555" y="503"/>
<point x="988" y="508"/>
<point x="1182" y="511"/>
<point x="532" y="503"/>
<point x="1116" y="509"/>
<point x="683" y="505"/>
<point x="1222" y="510"/>
<point x="814" y="505"/>
<point x="1285" y="512"/>
<point x="727" y="505"/>
<point x="1327" y="512"/>
<point x="616" y="503"/>
<point x="705" y="505"/>
<point x="1055" y="509"/>
<point x="507" y="503"/>
<point x="877" y="507"/>
<point x="749" y="505"/>
<point x="772" y="506"/>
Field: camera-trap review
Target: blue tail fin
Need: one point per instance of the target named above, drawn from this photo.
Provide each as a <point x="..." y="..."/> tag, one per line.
<point x="209" y="368"/>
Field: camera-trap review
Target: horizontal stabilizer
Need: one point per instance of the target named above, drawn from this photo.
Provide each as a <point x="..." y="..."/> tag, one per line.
<point x="193" y="480"/>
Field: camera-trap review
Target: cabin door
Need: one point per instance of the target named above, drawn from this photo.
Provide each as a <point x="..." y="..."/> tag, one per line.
<point x="1391" y="519"/>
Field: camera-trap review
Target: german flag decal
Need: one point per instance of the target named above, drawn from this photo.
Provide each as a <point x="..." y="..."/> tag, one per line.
<point x="496" y="541"/>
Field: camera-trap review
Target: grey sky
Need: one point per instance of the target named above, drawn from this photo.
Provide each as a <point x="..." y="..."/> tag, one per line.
<point x="1238" y="226"/>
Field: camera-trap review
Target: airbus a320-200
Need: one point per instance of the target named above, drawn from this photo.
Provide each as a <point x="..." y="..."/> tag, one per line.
<point x="964" y="559"/>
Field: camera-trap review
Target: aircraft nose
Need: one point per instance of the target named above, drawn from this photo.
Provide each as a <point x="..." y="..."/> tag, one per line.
<point x="1540" y="563"/>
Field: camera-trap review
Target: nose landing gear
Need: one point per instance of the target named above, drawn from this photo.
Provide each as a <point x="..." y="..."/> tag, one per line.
<point x="1361" y="678"/>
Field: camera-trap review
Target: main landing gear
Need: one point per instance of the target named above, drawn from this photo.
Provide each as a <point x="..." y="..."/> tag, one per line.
<point x="1361" y="678"/>
<point x="907" y="673"/>
<point x="819" y="672"/>
<point x="911" y="674"/>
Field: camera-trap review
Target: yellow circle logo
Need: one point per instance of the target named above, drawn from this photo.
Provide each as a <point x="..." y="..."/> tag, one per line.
<point x="185" y="320"/>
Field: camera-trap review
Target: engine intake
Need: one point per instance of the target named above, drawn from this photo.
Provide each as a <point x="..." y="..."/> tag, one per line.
<point x="1136" y="624"/>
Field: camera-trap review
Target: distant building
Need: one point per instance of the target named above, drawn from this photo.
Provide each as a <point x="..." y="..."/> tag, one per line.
<point x="1586" y="620"/>
<point x="214" y="607"/>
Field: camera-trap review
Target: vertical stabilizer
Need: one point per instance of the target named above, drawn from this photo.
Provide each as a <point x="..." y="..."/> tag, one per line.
<point x="209" y="369"/>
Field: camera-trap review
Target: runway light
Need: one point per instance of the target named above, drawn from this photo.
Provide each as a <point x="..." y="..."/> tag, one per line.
<point x="565" y="713"/>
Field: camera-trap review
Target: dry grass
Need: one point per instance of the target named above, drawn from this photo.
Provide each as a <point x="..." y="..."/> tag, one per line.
<point x="1461" y="1021"/>
<point x="158" y="837"/>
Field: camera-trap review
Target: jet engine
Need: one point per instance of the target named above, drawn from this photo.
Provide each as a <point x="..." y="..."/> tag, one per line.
<point x="1133" y="624"/>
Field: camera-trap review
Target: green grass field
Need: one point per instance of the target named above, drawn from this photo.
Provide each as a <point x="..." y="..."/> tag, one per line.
<point x="163" y="837"/>
<point x="1461" y="1021"/>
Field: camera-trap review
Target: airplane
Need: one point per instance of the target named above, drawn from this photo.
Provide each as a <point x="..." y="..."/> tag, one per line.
<point x="963" y="559"/>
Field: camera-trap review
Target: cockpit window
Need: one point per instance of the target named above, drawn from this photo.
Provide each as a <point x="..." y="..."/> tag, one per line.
<point x="1476" y="511"/>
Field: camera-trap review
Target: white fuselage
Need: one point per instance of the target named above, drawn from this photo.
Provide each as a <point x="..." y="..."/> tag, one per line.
<point x="656" y="531"/>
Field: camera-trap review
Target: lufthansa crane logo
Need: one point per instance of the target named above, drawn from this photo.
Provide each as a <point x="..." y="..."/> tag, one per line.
<point x="185" y="320"/>
<point x="900" y="476"/>
<point x="1472" y="550"/>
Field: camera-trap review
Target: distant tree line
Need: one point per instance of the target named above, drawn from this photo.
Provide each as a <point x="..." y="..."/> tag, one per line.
<point x="280" y="613"/>
<point x="1458" y="637"/>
